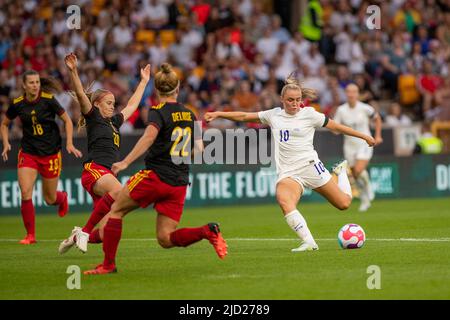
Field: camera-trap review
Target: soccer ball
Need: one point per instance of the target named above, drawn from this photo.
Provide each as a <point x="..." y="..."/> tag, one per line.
<point x="351" y="236"/>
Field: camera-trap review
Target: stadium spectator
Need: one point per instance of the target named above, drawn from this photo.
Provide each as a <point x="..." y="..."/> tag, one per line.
<point x="428" y="143"/>
<point x="390" y="59"/>
<point x="428" y="83"/>
<point x="244" y="98"/>
<point x="396" y="117"/>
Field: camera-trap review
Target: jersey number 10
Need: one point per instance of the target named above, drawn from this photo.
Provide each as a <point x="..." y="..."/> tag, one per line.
<point x="284" y="135"/>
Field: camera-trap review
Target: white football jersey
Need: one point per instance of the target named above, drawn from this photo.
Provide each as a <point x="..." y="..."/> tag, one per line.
<point x="293" y="136"/>
<point x="357" y="118"/>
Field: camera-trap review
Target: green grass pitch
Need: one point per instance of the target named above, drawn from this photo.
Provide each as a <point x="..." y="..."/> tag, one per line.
<point x="259" y="265"/>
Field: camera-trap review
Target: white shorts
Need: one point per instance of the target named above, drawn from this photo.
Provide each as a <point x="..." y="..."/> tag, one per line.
<point x="311" y="176"/>
<point x="352" y="153"/>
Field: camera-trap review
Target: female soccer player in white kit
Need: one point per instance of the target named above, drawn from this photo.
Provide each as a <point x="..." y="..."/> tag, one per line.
<point x="357" y="115"/>
<point x="298" y="165"/>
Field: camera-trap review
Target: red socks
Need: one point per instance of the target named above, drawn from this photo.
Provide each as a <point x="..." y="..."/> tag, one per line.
<point x="60" y="196"/>
<point x="102" y="207"/>
<point x="94" y="237"/>
<point x="111" y="238"/>
<point x="187" y="236"/>
<point x="27" y="210"/>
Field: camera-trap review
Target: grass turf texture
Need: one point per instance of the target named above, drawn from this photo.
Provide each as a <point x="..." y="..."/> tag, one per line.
<point x="264" y="269"/>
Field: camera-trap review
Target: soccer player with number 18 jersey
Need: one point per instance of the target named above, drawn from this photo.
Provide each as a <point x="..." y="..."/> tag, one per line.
<point x="40" y="148"/>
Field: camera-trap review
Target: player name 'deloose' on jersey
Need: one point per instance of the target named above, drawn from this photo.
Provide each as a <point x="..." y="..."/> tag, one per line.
<point x="181" y="116"/>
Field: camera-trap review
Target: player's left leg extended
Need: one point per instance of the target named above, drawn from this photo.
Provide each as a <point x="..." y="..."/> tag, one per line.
<point x="54" y="197"/>
<point x="113" y="231"/>
<point x="108" y="187"/>
<point x="335" y="195"/>
<point x="169" y="236"/>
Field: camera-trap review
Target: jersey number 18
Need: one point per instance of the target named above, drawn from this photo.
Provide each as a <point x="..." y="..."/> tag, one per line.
<point x="37" y="127"/>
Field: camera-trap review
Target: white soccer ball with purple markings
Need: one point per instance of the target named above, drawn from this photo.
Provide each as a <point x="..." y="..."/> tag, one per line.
<point x="351" y="236"/>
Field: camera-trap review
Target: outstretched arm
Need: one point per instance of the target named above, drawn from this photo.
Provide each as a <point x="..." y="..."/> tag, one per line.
<point x="145" y="142"/>
<point x="133" y="103"/>
<point x="71" y="63"/>
<point x="234" y="116"/>
<point x="334" y="126"/>
<point x="4" y="133"/>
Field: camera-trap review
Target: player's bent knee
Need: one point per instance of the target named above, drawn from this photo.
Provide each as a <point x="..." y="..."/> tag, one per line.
<point x="344" y="203"/>
<point x="115" y="193"/>
<point x="285" y="204"/>
<point x="49" y="199"/>
<point x="27" y="194"/>
<point x="164" y="240"/>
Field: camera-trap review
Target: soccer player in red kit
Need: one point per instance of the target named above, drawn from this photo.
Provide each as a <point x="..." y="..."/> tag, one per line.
<point x="97" y="109"/>
<point x="40" y="148"/>
<point x="169" y="140"/>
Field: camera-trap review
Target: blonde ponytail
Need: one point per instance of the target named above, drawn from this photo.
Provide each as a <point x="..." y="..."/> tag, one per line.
<point x="292" y="83"/>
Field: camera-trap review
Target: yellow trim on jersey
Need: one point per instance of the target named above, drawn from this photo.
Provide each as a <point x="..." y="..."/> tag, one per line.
<point x="17" y="100"/>
<point x="59" y="163"/>
<point x="46" y="95"/>
<point x="159" y="106"/>
<point x="138" y="177"/>
<point x="93" y="172"/>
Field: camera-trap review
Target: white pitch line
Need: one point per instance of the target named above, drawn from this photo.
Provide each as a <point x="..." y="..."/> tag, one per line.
<point x="272" y="239"/>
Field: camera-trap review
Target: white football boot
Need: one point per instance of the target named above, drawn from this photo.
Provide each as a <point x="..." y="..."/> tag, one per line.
<point x="82" y="240"/>
<point x="306" y="246"/>
<point x="343" y="165"/>
<point x="69" y="242"/>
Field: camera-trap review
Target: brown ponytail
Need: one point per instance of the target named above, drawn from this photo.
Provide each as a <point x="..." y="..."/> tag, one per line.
<point x="47" y="84"/>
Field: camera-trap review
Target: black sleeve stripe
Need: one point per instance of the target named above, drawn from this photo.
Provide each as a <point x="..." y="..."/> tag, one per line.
<point x="155" y="125"/>
<point x="61" y="112"/>
<point x="121" y="119"/>
<point x="326" y="121"/>
<point x="373" y="115"/>
<point x="89" y="112"/>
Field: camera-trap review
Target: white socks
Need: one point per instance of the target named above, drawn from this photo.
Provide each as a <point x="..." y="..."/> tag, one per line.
<point x="297" y="223"/>
<point x="364" y="185"/>
<point x="344" y="184"/>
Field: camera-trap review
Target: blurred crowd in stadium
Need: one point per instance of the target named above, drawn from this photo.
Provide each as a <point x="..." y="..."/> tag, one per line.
<point x="235" y="54"/>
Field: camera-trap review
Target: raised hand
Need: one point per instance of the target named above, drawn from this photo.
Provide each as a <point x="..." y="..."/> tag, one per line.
<point x="71" y="61"/>
<point x="145" y="73"/>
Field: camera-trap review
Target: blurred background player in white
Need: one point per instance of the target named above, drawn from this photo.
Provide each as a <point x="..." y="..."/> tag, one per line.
<point x="298" y="165"/>
<point x="357" y="115"/>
